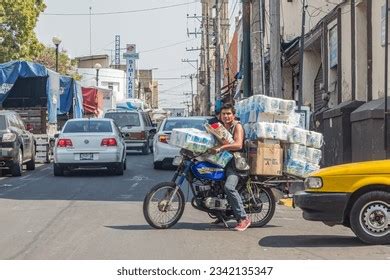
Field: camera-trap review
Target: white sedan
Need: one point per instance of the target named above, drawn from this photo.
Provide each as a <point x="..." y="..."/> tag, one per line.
<point x="89" y="144"/>
<point x="163" y="152"/>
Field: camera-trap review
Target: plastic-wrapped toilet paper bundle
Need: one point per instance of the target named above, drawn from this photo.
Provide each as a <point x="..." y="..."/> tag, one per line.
<point x="286" y="107"/>
<point x="310" y="168"/>
<point x="298" y="136"/>
<point x="271" y="104"/>
<point x="296" y="151"/>
<point x="314" y="139"/>
<point x="259" y="101"/>
<point x="192" y="139"/>
<point x="221" y="159"/>
<point x="313" y="155"/>
<point x="281" y="131"/>
<point x="295" y="167"/>
<point x="265" y="130"/>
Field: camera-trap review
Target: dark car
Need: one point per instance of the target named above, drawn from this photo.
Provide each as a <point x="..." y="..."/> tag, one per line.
<point x="17" y="145"/>
<point x="136" y="127"/>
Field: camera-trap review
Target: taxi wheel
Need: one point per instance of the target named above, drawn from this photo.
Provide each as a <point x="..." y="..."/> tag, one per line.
<point x="370" y="217"/>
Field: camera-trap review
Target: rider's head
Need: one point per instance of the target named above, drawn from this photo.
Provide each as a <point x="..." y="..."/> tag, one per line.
<point x="228" y="113"/>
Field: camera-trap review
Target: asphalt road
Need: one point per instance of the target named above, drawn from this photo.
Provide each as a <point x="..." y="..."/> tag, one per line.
<point x="93" y="215"/>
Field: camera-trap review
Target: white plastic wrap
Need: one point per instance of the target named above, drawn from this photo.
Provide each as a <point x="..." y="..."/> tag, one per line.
<point x="310" y="168"/>
<point x="297" y="136"/>
<point x="281" y="131"/>
<point x="265" y="130"/>
<point x="296" y="151"/>
<point x="271" y="104"/>
<point x="192" y="139"/>
<point x="314" y="139"/>
<point x="295" y="167"/>
<point x="286" y="107"/>
<point x="313" y="156"/>
<point x="221" y="159"/>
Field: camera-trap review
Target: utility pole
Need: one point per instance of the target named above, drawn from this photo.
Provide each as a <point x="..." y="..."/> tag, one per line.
<point x="207" y="60"/>
<point x="301" y="51"/>
<point x="275" y="59"/>
<point x="191" y="77"/>
<point x="261" y="7"/>
<point x="217" y="52"/>
<point x="246" y="16"/>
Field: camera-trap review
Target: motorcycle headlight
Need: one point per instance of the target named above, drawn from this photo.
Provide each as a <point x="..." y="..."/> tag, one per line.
<point x="9" y="137"/>
<point x="177" y="160"/>
<point x="313" y="183"/>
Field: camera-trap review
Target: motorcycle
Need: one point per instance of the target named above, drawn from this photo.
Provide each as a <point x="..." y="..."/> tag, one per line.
<point x="164" y="204"/>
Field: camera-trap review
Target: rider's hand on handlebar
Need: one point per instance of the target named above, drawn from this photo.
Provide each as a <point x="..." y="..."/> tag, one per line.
<point x="214" y="150"/>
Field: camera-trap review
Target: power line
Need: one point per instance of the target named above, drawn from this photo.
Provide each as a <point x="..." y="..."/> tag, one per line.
<point x="117" y="12"/>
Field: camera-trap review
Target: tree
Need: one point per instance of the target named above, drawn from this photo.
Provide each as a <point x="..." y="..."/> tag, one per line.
<point x="66" y="66"/>
<point x="18" y="19"/>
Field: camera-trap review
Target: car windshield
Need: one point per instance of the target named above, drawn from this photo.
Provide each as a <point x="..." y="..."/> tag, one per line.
<point x="3" y="122"/>
<point x="87" y="126"/>
<point x="184" y="123"/>
<point x="124" y="119"/>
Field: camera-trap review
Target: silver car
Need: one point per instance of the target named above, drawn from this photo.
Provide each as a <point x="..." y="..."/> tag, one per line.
<point x="164" y="153"/>
<point x="89" y="144"/>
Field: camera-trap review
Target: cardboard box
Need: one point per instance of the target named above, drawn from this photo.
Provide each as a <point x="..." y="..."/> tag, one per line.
<point x="265" y="158"/>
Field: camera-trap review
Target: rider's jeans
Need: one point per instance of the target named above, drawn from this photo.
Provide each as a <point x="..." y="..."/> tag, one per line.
<point x="233" y="196"/>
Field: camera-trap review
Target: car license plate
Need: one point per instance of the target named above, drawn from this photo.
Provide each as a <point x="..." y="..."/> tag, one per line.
<point x="86" y="156"/>
<point x="177" y="160"/>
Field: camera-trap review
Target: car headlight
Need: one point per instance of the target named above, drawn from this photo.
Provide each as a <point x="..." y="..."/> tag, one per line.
<point x="9" y="137"/>
<point x="313" y="183"/>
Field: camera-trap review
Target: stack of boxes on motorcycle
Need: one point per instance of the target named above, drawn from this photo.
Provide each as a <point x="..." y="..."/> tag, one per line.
<point x="198" y="141"/>
<point x="272" y="125"/>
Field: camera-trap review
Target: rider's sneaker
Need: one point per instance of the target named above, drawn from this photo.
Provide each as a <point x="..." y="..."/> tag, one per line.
<point x="243" y="224"/>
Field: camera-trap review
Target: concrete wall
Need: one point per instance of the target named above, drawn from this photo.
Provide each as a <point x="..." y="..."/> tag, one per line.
<point x="378" y="51"/>
<point x="311" y="65"/>
<point x="287" y="73"/>
<point x="291" y="14"/>
<point x="114" y="77"/>
<point x="361" y="51"/>
<point x="346" y="81"/>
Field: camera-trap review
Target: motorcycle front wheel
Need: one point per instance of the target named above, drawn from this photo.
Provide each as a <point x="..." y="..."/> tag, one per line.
<point x="164" y="205"/>
<point x="261" y="205"/>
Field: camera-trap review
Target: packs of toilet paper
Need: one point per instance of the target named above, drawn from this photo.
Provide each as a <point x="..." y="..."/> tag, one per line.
<point x="221" y="159"/>
<point x="310" y="167"/>
<point x="265" y="130"/>
<point x="297" y="136"/>
<point x="192" y="139"/>
<point x="281" y="131"/>
<point x="296" y="151"/>
<point x="295" y="167"/>
<point x="286" y="107"/>
<point x="313" y="155"/>
<point x="314" y="139"/>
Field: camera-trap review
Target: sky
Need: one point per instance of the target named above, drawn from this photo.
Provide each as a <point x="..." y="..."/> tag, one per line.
<point x="160" y="36"/>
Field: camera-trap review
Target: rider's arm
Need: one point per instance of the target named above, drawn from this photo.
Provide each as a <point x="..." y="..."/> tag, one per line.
<point x="238" y="138"/>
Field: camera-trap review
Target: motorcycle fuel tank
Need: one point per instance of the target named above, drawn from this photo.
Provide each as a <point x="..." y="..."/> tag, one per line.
<point x="208" y="171"/>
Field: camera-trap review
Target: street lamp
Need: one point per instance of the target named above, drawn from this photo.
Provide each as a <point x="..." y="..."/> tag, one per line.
<point x="56" y="41"/>
<point x="97" y="66"/>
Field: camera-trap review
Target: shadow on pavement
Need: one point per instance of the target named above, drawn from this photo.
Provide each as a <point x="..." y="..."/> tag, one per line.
<point x="290" y="241"/>
<point x="184" y="225"/>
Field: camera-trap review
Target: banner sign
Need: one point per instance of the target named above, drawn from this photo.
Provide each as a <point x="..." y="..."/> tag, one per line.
<point x="130" y="57"/>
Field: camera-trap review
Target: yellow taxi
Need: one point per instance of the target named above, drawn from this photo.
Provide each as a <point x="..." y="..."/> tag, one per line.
<point x="356" y="195"/>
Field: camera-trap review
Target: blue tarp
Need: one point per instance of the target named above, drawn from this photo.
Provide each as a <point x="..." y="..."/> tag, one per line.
<point x="126" y="106"/>
<point x="70" y="90"/>
<point x="11" y="71"/>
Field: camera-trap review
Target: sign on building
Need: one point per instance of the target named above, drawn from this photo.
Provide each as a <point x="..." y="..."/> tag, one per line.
<point x="130" y="55"/>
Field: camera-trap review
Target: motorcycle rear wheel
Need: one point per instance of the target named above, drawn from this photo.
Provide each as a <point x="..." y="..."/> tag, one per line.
<point x="262" y="209"/>
<point x="156" y="210"/>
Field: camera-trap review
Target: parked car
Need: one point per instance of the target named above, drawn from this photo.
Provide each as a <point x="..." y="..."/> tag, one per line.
<point x="164" y="153"/>
<point x="91" y="144"/>
<point x="17" y="144"/>
<point x="356" y="195"/>
<point x="136" y="127"/>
